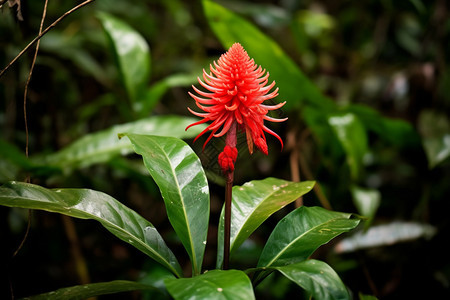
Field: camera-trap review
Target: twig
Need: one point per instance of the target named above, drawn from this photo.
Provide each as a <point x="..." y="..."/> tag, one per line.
<point x="43" y="33"/>
<point x="28" y="180"/>
<point x="80" y="262"/>
<point x="44" y="13"/>
<point x="293" y="161"/>
<point x="317" y="189"/>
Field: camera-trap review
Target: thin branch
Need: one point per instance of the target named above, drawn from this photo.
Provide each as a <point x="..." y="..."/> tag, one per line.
<point x="292" y="146"/>
<point x="317" y="189"/>
<point x="43" y="33"/>
<point x="28" y="180"/>
<point x="80" y="262"/>
<point x="44" y="13"/>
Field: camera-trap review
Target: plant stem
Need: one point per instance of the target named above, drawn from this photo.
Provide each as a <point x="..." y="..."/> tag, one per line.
<point x="37" y="38"/>
<point x="230" y="141"/>
<point x="228" y="196"/>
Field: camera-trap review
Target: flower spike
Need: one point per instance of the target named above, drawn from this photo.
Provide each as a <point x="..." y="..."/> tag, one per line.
<point x="236" y="88"/>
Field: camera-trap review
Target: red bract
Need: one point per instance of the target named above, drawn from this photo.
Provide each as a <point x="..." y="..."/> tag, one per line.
<point x="237" y="88"/>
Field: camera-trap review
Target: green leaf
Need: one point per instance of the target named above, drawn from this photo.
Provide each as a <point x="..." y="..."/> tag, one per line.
<point x="353" y="137"/>
<point x="301" y="232"/>
<point x="253" y="203"/>
<point x="65" y="45"/>
<point x="295" y="88"/>
<point x="386" y="235"/>
<point x="179" y="174"/>
<point x="12" y="161"/>
<point x="153" y="95"/>
<point x="92" y="290"/>
<point x="215" y="284"/>
<point x="13" y="154"/>
<point x="434" y="129"/>
<point x="366" y="297"/>
<point x="395" y="131"/>
<point x="437" y="149"/>
<point x="366" y="201"/>
<point x="329" y="145"/>
<point x="132" y="54"/>
<point x="120" y="220"/>
<point x="317" y="278"/>
<point x="103" y="145"/>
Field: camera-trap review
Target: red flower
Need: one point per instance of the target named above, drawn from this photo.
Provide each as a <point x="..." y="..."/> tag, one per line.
<point x="237" y="89"/>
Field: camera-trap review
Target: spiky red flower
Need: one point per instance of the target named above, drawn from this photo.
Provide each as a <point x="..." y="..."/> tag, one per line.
<point x="237" y="89"/>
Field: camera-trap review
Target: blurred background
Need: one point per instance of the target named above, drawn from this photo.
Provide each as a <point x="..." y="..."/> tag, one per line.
<point x="368" y="100"/>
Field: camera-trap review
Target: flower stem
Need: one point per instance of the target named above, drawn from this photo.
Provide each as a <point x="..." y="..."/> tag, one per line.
<point x="227" y="229"/>
<point x="230" y="141"/>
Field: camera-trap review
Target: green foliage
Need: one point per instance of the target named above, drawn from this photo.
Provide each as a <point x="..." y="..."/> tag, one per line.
<point x="93" y="289"/>
<point x="132" y="54"/>
<point x="215" y="284"/>
<point x="182" y="182"/>
<point x="301" y="232"/>
<point x="366" y="91"/>
<point x="353" y="138"/>
<point x="102" y="146"/>
<point x="316" y="277"/>
<point x="120" y="220"/>
<point x="253" y="203"/>
<point x="295" y="87"/>
<point x="183" y="185"/>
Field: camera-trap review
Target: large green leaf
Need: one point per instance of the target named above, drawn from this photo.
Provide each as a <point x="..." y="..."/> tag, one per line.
<point x="353" y="138"/>
<point x="294" y="86"/>
<point x="318" y="278"/>
<point x="301" y="232"/>
<point x="253" y="203"/>
<point x="179" y="174"/>
<point x="103" y="145"/>
<point x="86" y="291"/>
<point x="215" y="284"/>
<point x="132" y="54"/>
<point x="120" y="220"/>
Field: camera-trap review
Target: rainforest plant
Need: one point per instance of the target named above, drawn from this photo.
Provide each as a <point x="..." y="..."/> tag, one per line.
<point x="237" y="89"/>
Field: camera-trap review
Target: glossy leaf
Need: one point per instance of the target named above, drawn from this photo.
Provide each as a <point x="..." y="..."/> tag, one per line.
<point x="317" y="278"/>
<point x="301" y="232"/>
<point x="253" y="203"/>
<point x="154" y="93"/>
<point x="385" y="235"/>
<point x="215" y="284"/>
<point x="120" y="220"/>
<point x="366" y="297"/>
<point x="132" y="54"/>
<point x="434" y="128"/>
<point x="437" y="149"/>
<point x="103" y="145"/>
<point x="179" y="174"/>
<point x="353" y="138"/>
<point x="366" y="201"/>
<point x="86" y="291"/>
<point x="295" y="88"/>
